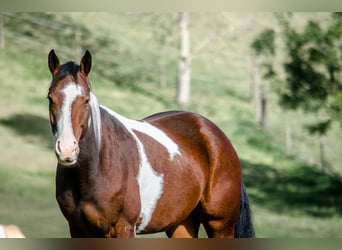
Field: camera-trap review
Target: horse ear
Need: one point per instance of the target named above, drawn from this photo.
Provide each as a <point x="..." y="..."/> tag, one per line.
<point x="53" y="62"/>
<point x="85" y="64"/>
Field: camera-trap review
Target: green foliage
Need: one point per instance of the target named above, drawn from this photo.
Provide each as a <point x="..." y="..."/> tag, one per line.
<point x="319" y="127"/>
<point x="313" y="68"/>
<point x="264" y="43"/>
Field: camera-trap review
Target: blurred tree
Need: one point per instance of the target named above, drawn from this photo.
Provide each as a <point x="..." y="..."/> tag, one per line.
<point x="262" y="45"/>
<point x="2" y="30"/>
<point x="184" y="71"/>
<point x="312" y="66"/>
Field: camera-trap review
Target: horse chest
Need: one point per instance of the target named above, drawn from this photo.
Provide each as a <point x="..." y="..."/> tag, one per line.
<point x="102" y="210"/>
<point x="89" y="216"/>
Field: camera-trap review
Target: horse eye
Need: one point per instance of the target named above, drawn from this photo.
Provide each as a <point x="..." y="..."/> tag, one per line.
<point x="87" y="101"/>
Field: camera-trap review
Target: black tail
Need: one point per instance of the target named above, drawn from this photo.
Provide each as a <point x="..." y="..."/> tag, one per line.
<point x="244" y="227"/>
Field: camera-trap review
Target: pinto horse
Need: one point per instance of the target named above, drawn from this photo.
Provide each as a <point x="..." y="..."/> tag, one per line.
<point x="118" y="177"/>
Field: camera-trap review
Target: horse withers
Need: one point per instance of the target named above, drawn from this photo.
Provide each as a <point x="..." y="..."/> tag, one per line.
<point x="118" y="177"/>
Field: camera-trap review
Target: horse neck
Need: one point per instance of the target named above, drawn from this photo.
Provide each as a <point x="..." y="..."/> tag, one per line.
<point x="89" y="164"/>
<point x="89" y="150"/>
<point x="91" y="141"/>
<point x="95" y="143"/>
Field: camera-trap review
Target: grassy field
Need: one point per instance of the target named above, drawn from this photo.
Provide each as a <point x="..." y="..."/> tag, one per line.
<point x="290" y="197"/>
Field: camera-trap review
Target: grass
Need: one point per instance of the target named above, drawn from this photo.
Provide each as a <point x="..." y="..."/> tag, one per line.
<point x="29" y="202"/>
<point x="290" y="197"/>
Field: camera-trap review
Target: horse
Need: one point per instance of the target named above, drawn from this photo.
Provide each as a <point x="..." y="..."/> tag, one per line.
<point x="119" y="177"/>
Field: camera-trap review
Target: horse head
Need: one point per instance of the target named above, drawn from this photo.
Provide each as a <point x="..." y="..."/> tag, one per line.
<point x="69" y="105"/>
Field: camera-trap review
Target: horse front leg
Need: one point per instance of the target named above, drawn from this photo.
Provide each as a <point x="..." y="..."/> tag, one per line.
<point x="123" y="229"/>
<point x="75" y="232"/>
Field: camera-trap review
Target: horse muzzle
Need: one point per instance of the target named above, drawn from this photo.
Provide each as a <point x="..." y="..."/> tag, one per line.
<point x="67" y="152"/>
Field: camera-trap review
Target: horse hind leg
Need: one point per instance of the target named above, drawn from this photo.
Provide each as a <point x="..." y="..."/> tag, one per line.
<point x="216" y="228"/>
<point x="187" y="229"/>
<point x="220" y="209"/>
<point x="218" y="225"/>
<point x="220" y="202"/>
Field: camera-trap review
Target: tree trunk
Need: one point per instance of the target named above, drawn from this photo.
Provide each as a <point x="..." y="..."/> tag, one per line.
<point x="322" y="153"/>
<point x="263" y="111"/>
<point x="78" y="39"/>
<point x="288" y="138"/>
<point x="184" y="73"/>
<point x="2" y="31"/>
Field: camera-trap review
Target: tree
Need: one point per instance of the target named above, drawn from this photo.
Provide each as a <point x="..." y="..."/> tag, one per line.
<point x="312" y="66"/>
<point x="2" y="31"/>
<point x="263" y="45"/>
<point x="184" y="72"/>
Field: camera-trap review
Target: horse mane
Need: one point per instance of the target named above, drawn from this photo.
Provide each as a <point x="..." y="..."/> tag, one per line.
<point x="95" y="118"/>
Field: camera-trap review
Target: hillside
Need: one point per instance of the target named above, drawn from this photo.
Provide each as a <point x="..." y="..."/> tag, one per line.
<point x="128" y="63"/>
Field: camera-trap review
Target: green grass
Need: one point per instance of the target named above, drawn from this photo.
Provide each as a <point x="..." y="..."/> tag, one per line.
<point x="28" y="201"/>
<point x="290" y="197"/>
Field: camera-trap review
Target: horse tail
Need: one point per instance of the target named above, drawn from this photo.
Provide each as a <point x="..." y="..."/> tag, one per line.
<point x="244" y="227"/>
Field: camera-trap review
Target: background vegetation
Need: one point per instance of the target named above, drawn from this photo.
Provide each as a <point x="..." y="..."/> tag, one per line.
<point x="135" y="73"/>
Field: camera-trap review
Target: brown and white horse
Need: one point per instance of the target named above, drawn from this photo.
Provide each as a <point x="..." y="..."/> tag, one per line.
<point x="118" y="177"/>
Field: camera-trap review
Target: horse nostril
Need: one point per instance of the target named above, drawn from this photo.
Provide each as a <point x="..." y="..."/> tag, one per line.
<point x="58" y="147"/>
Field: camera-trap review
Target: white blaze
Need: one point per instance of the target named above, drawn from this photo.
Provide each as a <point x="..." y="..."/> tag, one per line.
<point x="64" y="126"/>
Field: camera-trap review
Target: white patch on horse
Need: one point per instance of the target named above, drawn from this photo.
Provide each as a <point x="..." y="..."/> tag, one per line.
<point x="64" y="126"/>
<point x="150" y="130"/>
<point x="150" y="182"/>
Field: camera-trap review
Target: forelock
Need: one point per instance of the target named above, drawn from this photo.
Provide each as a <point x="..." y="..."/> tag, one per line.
<point x="69" y="68"/>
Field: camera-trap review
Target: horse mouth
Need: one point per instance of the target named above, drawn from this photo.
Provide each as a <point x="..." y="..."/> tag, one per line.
<point x="68" y="162"/>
